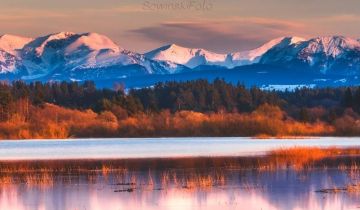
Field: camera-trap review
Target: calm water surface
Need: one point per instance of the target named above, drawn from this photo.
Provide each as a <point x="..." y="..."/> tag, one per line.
<point x="155" y="147"/>
<point x="180" y="189"/>
<point x="243" y="190"/>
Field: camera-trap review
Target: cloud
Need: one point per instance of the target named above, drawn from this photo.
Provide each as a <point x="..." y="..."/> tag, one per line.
<point x="232" y="34"/>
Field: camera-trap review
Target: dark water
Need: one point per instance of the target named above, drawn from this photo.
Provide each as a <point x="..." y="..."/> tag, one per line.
<point x="181" y="190"/>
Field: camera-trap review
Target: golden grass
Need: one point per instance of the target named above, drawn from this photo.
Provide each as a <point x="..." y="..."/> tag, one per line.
<point x="300" y="157"/>
<point x="353" y="188"/>
<point x="51" y="121"/>
<point x="6" y="180"/>
<point x="202" y="182"/>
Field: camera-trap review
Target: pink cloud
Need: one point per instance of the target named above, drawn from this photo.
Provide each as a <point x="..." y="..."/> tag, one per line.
<point x="232" y="34"/>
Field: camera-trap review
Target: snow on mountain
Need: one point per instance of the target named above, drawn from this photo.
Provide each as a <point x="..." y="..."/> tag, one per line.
<point x="190" y="57"/>
<point x="7" y="62"/>
<point x="70" y="50"/>
<point x="67" y="53"/>
<point x="331" y="46"/>
<point x="38" y="45"/>
<point x="254" y="56"/>
<point x="93" y="42"/>
<point x="92" y="50"/>
<point x="193" y="57"/>
<point x="12" y="44"/>
<point x="335" y="54"/>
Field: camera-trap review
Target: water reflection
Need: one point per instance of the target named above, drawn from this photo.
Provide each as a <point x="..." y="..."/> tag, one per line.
<point x="179" y="189"/>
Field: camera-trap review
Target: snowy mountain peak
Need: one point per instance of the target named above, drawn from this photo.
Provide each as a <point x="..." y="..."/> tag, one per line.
<point x="331" y="45"/>
<point x="37" y="45"/>
<point x="190" y="57"/>
<point x="335" y="54"/>
<point x="192" y="51"/>
<point x="280" y="42"/>
<point x="11" y="43"/>
<point x="254" y="56"/>
<point x="193" y="57"/>
<point x="294" y="39"/>
<point x="93" y="42"/>
<point x="55" y="36"/>
<point x="61" y="35"/>
<point x="175" y="47"/>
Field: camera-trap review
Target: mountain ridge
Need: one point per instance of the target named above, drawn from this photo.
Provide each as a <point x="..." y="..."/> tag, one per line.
<point x="92" y="56"/>
<point x="194" y="57"/>
<point x="71" y="52"/>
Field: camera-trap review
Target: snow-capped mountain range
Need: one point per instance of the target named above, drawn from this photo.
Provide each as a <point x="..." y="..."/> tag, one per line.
<point x="193" y="58"/>
<point x="91" y="56"/>
<point x="68" y="55"/>
<point x="329" y="55"/>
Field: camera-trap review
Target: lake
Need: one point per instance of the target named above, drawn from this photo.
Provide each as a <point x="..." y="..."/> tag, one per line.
<point x="160" y="187"/>
<point x="156" y="147"/>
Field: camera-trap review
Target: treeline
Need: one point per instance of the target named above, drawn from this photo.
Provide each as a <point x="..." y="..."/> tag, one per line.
<point x="195" y="108"/>
<point x="52" y="121"/>
<point x="199" y="96"/>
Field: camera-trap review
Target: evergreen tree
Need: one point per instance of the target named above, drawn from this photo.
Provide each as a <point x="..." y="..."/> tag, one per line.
<point x="348" y="98"/>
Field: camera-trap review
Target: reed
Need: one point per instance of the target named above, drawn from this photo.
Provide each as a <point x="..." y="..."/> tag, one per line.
<point x="297" y="158"/>
<point x="308" y="157"/>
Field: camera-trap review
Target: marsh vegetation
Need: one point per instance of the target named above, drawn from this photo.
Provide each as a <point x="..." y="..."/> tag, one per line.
<point x="304" y="177"/>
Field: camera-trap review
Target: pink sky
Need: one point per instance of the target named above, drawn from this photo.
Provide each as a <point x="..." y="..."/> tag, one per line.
<point x="221" y="26"/>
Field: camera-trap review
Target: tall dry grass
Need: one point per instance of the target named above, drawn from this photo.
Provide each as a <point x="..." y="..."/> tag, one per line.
<point x="301" y="157"/>
<point x="51" y="121"/>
